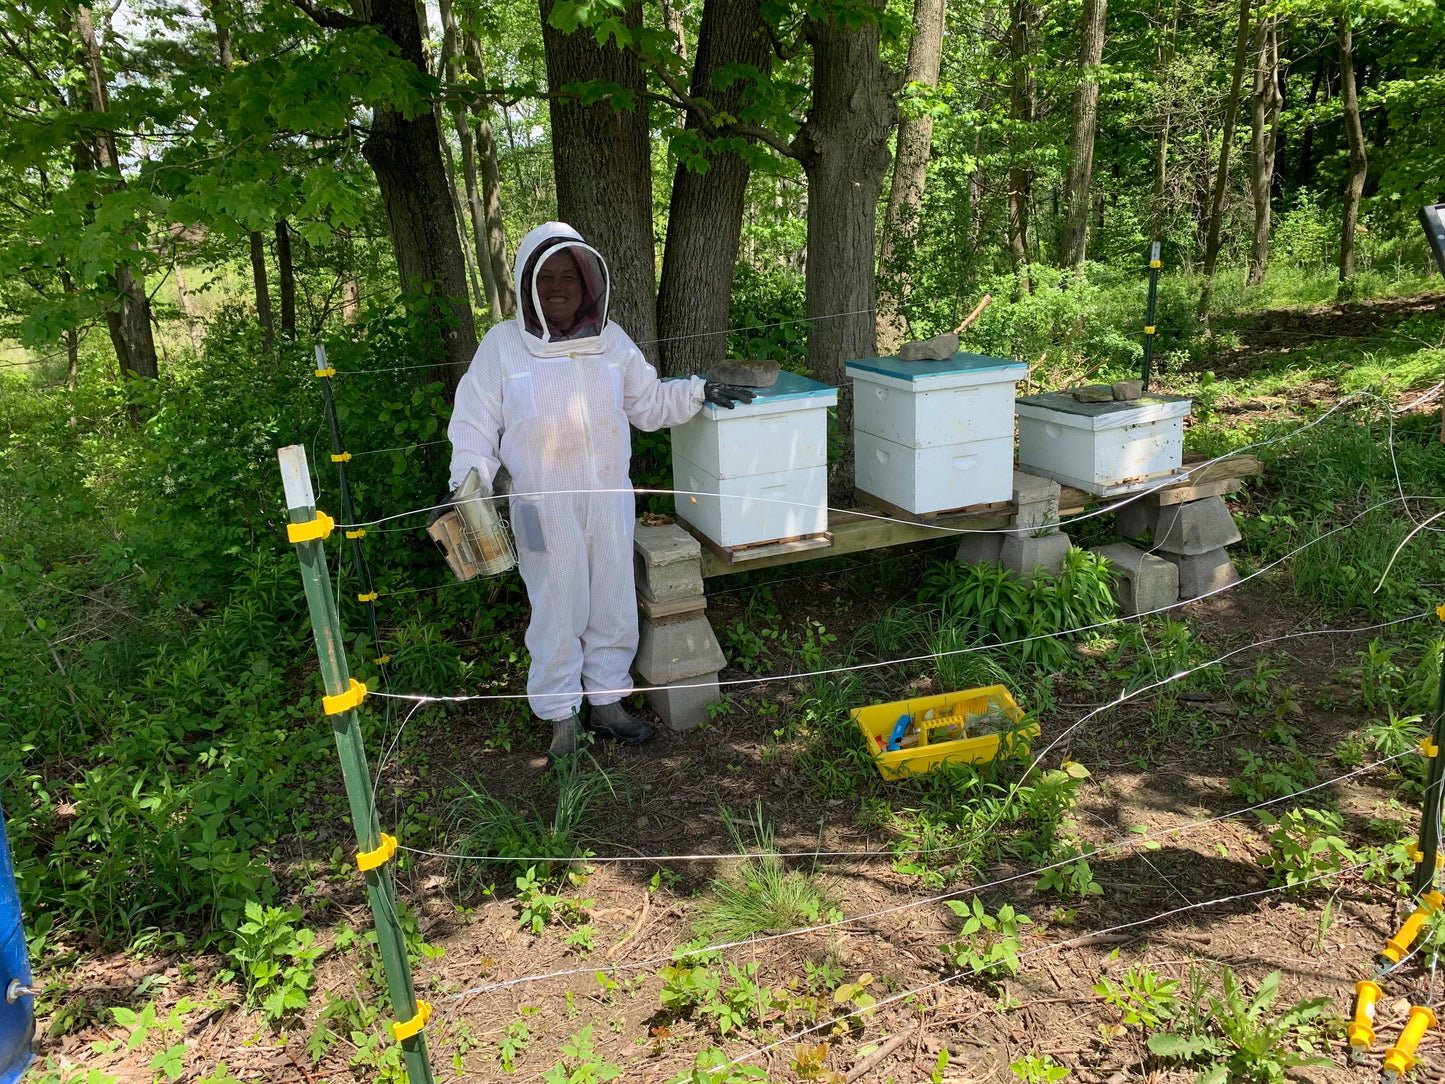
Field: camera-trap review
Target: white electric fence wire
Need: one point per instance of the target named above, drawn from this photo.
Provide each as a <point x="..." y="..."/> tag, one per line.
<point x="970" y="890"/>
<point x="1420" y="526"/>
<point x="638" y="342"/>
<point x="1164" y="483"/>
<point x="1003" y="806"/>
<point x="1018" y="957"/>
<point x="854" y="667"/>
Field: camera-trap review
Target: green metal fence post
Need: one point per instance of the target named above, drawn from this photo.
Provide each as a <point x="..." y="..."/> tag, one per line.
<point x="1149" y="328"/>
<point x="308" y="532"/>
<point x="1429" y="845"/>
<point x="341" y="457"/>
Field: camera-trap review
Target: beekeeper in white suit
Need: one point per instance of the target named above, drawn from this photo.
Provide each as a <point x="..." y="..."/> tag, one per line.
<point x="549" y="396"/>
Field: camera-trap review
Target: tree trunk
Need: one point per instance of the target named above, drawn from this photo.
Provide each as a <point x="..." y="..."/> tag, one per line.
<point x="705" y="214"/>
<point x="263" y="291"/>
<point x="1262" y="142"/>
<point x="1161" y="173"/>
<point x="672" y="19"/>
<point x="1081" y="137"/>
<point x="490" y="178"/>
<point x="286" y="276"/>
<point x="405" y="154"/>
<point x="844" y="147"/>
<point x="1226" y="145"/>
<point x="1022" y="99"/>
<point x="910" y="175"/>
<point x="1306" y="169"/>
<point x="188" y="308"/>
<point x="1359" y="164"/>
<point x="602" y="160"/>
<point x="128" y="317"/>
<point x="453" y="60"/>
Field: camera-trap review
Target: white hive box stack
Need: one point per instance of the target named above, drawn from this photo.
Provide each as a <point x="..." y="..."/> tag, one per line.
<point x="759" y="472"/>
<point x="932" y="436"/>
<point x="1101" y="448"/>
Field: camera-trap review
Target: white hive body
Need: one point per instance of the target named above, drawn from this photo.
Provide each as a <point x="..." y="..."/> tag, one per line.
<point x="759" y="472"/>
<point x="930" y="436"/>
<point x="1101" y="448"/>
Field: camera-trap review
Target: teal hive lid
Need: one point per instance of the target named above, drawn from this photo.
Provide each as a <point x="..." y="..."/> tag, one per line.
<point x="961" y="362"/>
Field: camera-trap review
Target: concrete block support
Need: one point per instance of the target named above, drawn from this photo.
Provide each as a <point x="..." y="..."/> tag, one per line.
<point x="683" y="705"/>
<point x="1195" y="528"/>
<point x="1027" y="555"/>
<point x="667" y="563"/>
<point x="1136" y="519"/>
<point x="1145" y="583"/>
<point x="1037" y="501"/>
<point x="979" y="549"/>
<point x="1202" y="573"/>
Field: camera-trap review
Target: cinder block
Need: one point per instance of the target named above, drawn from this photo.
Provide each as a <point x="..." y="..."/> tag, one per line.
<point x="979" y="549"/>
<point x="1145" y="583"/>
<point x="1027" y="555"/>
<point x="1136" y="519"/>
<point x="676" y="649"/>
<point x="1037" y="501"/>
<point x="1196" y="527"/>
<point x="684" y="705"/>
<point x="1201" y="573"/>
<point x="667" y="562"/>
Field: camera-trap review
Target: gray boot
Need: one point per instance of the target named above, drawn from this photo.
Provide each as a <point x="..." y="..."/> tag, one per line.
<point x="614" y="721"/>
<point x="565" y="736"/>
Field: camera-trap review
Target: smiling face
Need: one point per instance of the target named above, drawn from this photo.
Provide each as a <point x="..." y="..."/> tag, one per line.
<point x="560" y="290"/>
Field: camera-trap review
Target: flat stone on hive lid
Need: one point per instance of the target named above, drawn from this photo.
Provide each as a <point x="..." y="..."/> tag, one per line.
<point x="747" y="374"/>
<point x="1094" y="393"/>
<point x="1126" y="391"/>
<point x="939" y="348"/>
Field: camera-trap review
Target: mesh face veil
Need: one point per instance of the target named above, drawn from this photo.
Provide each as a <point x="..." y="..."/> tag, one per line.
<point x="562" y="292"/>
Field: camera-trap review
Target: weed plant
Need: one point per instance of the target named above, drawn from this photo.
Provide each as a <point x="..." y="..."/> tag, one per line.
<point x="764" y="895"/>
<point x="500" y="835"/>
<point x="986" y="604"/>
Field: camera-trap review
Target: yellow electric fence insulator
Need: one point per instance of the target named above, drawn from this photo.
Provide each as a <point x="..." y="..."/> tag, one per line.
<point x="1397" y="946"/>
<point x="1428" y="747"/>
<point x="370" y="596"/>
<point x="415" y="1024"/>
<point x="335" y="705"/>
<point x="328" y="371"/>
<point x="1149" y="330"/>
<point x="1156" y="263"/>
<point x="360" y="532"/>
<point x="343" y="457"/>
<point x="1401" y="1057"/>
<point x="1440" y="611"/>
<point x="366" y="860"/>
<point x="1416" y="855"/>
<point x="1362" y="1028"/>
<point x="382" y="661"/>
<point x="313" y="531"/>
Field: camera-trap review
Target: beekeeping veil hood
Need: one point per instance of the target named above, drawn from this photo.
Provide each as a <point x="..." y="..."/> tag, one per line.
<point x="585" y="334"/>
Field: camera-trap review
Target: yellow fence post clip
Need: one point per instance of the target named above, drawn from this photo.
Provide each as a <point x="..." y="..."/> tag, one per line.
<point x="324" y="373"/>
<point x="1397" y="946"/>
<point x="1362" y="1029"/>
<point x="366" y="860"/>
<point x="1400" y="1058"/>
<point x="1428" y="746"/>
<point x="1149" y="329"/>
<point x="382" y="660"/>
<point x="335" y="705"/>
<point x="1156" y="263"/>
<point x="312" y="531"/>
<point x="344" y="457"/>
<point x="406" y="1030"/>
<point x="370" y="596"/>
<point x="360" y="532"/>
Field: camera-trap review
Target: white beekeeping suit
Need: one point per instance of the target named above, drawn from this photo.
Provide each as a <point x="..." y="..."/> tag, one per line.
<point x="554" y="408"/>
